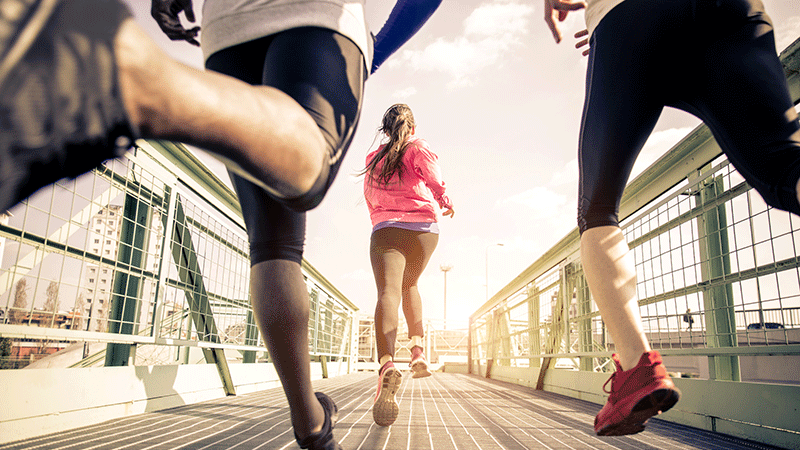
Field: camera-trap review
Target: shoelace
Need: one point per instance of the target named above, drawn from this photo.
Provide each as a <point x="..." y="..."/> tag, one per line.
<point x="613" y="375"/>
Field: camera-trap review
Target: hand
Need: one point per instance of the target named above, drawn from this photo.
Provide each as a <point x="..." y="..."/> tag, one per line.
<point x="449" y="212"/>
<point x="166" y="13"/>
<point x="582" y="42"/>
<point x="559" y="8"/>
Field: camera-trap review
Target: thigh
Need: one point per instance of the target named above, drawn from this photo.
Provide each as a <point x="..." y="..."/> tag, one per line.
<point x="274" y="230"/>
<point x="744" y="99"/>
<point x="422" y="247"/>
<point x="621" y="108"/>
<point x="388" y="261"/>
<point x="324" y="72"/>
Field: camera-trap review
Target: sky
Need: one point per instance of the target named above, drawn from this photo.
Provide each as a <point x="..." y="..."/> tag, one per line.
<point x="500" y="103"/>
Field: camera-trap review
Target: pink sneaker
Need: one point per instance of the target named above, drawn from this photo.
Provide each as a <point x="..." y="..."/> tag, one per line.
<point x="636" y="395"/>
<point x="418" y="363"/>
<point x="385" y="408"/>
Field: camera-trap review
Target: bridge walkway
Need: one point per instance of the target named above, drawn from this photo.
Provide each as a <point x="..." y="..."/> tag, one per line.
<point x="441" y="412"/>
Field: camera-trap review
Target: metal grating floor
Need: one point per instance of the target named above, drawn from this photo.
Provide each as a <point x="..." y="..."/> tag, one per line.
<point x="445" y="411"/>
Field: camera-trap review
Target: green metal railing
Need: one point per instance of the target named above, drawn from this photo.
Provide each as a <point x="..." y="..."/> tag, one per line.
<point x="718" y="283"/>
<point x="147" y="254"/>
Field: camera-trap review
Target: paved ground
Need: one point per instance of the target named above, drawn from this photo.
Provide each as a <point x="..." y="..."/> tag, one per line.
<point x="442" y="412"/>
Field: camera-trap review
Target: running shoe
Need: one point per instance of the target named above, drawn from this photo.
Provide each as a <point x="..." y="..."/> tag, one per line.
<point x="323" y="439"/>
<point x="636" y="395"/>
<point x="385" y="408"/>
<point x="61" y="111"/>
<point x="418" y="363"/>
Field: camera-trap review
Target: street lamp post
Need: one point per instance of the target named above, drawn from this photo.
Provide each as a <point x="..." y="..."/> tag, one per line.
<point x="445" y="268"/>
<point x="487" y="267"/>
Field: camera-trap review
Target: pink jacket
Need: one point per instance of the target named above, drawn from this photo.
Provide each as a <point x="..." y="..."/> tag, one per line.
<point x="413" y="198"/>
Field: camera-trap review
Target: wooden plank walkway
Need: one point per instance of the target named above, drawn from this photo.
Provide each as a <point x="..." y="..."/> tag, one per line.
<point x="442" y="412"/>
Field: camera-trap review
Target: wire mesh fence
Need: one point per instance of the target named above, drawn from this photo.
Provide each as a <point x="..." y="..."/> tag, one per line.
<point x="146" y="252"/>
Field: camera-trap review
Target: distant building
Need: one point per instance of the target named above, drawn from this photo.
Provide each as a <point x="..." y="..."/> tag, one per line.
<point x="98" y="280"/>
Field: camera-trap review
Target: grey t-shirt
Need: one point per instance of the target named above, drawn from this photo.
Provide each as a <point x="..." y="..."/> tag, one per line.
<point x="230" y="22"/>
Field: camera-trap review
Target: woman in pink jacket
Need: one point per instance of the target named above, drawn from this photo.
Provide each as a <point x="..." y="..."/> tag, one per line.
<point x="402" y="187"/>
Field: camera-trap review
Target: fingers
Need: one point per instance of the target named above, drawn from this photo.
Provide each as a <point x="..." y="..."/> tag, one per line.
<point x="560" y="8"/>
<point x="189" y="11"/>
<point x="567" y="5"/>
<point x="166" y="13"/>
<point x="553" y="28"/>
<point x="582" y="42"/>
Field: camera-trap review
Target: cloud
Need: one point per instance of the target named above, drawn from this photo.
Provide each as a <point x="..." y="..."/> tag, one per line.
<point x="787" y="32"/>
<point x="403" y="94"/>
<point x="656" y="146"/>
<point x="359" y="275"/>
<point x="491" y="32"/>
<point x="541" y="201"/>
<point x="567" y="175"/>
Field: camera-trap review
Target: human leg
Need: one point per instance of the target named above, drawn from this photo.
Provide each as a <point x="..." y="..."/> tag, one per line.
<point x="420" y="247"/>
<point x="388" y="258"/>
<point x="276" y="232"/>
<point x="388" y="264"/>
<point x="168" y="100"/>
<point x="610" y="140"/>
<point x="94" y="50"/>
<point x="621" y="109"/>
<point x="280" y="306"/>
<point x="741" y="93"/>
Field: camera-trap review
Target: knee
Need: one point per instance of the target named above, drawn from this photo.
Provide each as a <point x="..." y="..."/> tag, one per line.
<point x="592" y="215"/>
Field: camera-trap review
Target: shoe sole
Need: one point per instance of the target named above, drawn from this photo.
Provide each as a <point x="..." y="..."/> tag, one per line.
<point x="420" y="369"/>
<point x="39" y="13"/>
<point x="385" y="409"/>
<point x="655" y="403"/>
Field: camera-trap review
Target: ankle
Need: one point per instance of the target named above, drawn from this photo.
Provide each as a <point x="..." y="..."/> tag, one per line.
<point x="304" y="428"/>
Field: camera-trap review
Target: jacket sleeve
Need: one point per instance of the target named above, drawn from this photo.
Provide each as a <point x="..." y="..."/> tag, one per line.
<point x="426" y="165"/>
<point x="406" y="18"/>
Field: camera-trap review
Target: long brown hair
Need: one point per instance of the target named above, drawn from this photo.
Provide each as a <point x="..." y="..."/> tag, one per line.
<point x="398" y="124"/>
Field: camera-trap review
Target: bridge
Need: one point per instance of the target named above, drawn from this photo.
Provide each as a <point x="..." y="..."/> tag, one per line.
<point x="126" y="322"/>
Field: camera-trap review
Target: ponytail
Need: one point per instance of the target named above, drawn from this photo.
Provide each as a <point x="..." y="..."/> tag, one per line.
<point x="398" y="124"/>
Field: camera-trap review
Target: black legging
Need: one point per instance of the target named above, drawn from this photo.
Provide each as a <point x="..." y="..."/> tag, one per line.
<point x="324" y="72"/>
<point x="398" y="258"/>
<point x="714" y="59"/>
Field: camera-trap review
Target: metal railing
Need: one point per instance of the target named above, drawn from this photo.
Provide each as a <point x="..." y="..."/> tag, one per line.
<point x="442" y="342"/>
<point x="718" y="281"/>
<point x="143" y="261"/>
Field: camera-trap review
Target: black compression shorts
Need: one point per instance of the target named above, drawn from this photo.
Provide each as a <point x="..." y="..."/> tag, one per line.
<point x="324" y="72"/>
<point x="714" y="59"/>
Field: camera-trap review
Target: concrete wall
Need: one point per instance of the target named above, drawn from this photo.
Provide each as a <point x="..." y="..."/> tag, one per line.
<point x="767" y="413"/>
<point x="38" y="402"/>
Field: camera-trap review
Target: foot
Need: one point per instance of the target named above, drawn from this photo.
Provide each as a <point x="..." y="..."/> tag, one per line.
<point x="418" y="363"/>
<point x="385" y="408"/>
<point x="323" y="439"/>
<point x="636" y="395"/>
<point x="59" y="96"/>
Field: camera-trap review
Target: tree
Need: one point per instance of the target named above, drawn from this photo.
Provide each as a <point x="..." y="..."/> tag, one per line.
<point x="52" y="303"/>
<point x="19" y="310"/>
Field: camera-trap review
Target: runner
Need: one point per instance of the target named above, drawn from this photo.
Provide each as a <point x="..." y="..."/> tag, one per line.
<point x="714" y="59"/>
<point x="402" y="187"/>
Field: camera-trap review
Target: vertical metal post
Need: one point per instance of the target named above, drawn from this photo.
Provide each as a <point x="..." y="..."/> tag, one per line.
<point x="584" y="324"/>
<point x="718" y="300"/>
<point x="127" y="288"/>
<point x="250" y="338"/>
<point x="534" y="341"/>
